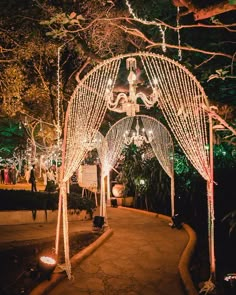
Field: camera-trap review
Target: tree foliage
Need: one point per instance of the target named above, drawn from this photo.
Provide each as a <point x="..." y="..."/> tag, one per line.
<point x="34" y="34"/>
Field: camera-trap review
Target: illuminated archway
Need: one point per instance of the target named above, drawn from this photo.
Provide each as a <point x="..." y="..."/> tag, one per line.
<point x="114" y="142"/>
<point x="181" y="99"/>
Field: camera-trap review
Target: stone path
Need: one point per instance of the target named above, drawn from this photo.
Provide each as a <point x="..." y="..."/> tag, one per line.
<point x="140" y="258"/>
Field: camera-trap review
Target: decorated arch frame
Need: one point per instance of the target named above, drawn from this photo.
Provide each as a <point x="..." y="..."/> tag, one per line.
<point x="114" y="143"/>
<point x="182" y="101"/>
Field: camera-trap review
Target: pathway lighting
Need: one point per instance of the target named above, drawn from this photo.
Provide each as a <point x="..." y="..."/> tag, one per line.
<point x="46" y="265"/>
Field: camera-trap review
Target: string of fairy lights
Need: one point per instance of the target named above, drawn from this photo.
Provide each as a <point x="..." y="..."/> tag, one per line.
<point x="34" y="149"/>
<point x="178" y="34"/>
<point x="162" y="28"/>
<point x="36" y="152"/>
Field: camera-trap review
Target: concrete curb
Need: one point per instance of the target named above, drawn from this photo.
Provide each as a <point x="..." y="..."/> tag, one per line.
<point x="56" y="278"/>
<point x="185" y="261"/>
<point x="185" y="258"/>
<point x="183" y="265"/>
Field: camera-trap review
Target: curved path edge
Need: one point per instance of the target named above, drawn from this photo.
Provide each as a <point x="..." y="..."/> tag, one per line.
<point x="56" y="278"/>
<point x="187" y="254"/>
<point x="185" y="261"/>
<point x="183" y="265"/>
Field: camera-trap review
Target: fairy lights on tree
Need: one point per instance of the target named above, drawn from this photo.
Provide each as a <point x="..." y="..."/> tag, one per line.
<point x="162" y="29"/>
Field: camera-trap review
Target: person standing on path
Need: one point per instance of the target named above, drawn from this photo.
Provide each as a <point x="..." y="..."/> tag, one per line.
<point x="2" y="175"/>
<point x="14" y="174"/>
<point x="32" y="179"/>
<point x="27" y="174"/>
<point x="6" y="176"/>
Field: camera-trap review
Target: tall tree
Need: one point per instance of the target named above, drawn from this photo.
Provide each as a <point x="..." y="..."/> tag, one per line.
<point x="82" y="33"/>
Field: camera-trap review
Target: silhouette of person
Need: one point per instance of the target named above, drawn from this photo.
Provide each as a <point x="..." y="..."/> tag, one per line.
<point x="32" y="179"/>
<point x="2" y="175"/>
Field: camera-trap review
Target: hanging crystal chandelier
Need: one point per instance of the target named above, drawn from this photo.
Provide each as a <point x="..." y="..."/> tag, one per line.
<point x="137" y="138"/>
<point x="91" y="144"/>
<point x="124" y="103"/>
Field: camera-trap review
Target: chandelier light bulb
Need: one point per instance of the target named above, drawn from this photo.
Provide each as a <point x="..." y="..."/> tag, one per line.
<point x="127" y="103"/>
<point x="137" y="138"/>
<point x="131" y="64"/>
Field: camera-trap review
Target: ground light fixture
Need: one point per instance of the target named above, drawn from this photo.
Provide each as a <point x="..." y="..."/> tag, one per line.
<point x="98" y="222"/>
<point x="176" y="221"/>
<point x="46" y="265"/>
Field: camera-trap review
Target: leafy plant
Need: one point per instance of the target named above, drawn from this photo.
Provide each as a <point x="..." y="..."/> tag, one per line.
<point x="77" y="203"/>
<point x="26" y="200"/>
<point x="143" y="179"/>
<point x="230" y="218"/>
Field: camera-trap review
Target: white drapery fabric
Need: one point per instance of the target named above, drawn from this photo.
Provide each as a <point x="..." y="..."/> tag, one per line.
<point x="85" y="114"/>
<point x="181" y="101"/>
<point x="184" y="105"/>
<point x="163" y="148"/>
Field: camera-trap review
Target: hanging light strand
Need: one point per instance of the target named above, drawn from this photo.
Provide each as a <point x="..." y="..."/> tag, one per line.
<point x="144" y="21"/>
<point x="58" y="125"/>
<point x="178" y="34"/>
<point x="114" y="143"/>
<point x="86" y="112"/>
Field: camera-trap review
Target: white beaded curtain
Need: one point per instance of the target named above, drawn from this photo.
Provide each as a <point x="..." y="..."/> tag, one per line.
<point x="84" y="116"/>
<point x="101" y="147"/>
<point x="99" y="138"/>
<point x="181" y="101"/>
<point x="115" y="142"/>
<point x="111" y="151"/>
<point x="86" y="112"/>
<point x="163" y="147"/>
<point x="95" y="143"/>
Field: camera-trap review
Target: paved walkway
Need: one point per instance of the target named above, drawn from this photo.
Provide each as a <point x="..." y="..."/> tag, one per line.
<point x="140" y="258"/>
<point x="22" y="186"/>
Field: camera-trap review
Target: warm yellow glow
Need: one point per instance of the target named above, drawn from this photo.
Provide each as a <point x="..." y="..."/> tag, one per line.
<point x="48" y="260"/>
<point x="137" y="138"/>
<point x="181" y="99"/>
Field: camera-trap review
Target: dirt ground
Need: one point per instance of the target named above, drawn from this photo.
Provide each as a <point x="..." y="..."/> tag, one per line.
<point x="19" y="272"/>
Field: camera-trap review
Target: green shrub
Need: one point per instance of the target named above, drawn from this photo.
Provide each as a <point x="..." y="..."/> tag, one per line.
<point x="76" y="202"/>
<point x="27" y="200"/>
